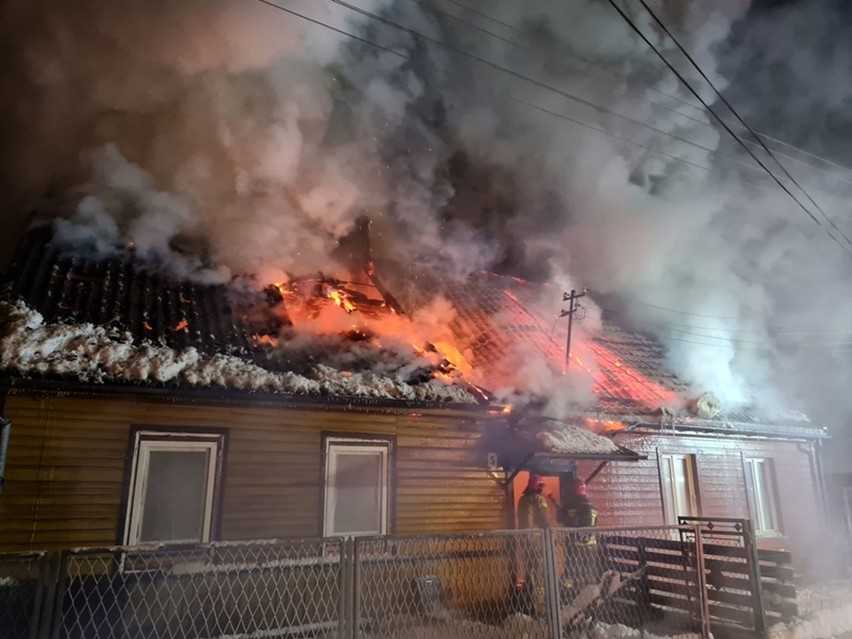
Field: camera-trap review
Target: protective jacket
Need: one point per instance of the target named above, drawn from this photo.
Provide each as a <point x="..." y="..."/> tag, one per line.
<point x="579" y="513"/>
<point x="533" y="510"/>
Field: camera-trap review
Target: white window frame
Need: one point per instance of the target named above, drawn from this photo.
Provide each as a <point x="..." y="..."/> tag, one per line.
<point x="753" y="468"/>
<point x="147" y="442"/>
<point x="354" y="446"/>
<point x="667" y="487"/>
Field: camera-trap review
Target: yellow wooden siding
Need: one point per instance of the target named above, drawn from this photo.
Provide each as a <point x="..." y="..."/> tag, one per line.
<point x="66" y="468"/>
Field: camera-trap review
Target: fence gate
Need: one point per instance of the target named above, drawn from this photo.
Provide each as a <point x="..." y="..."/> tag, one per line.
<point x="738" y="573"/>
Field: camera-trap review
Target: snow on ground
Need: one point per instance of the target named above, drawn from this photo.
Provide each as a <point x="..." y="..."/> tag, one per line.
<point x="96" y="354"/>
<point x="826" y="611"/>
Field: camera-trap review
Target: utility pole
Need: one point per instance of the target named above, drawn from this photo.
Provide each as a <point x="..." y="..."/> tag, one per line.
<point x="573" y="307"/>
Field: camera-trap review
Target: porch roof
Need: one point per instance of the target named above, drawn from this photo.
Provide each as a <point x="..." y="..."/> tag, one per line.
<point x="549" y="446"/>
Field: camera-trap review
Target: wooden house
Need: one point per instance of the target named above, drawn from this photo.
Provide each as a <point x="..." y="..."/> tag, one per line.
<point x="144" y="409"/>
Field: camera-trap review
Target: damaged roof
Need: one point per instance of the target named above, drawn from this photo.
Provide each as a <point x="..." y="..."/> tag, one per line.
<point x="114" y="320"/>
<point x="195" y="326"/>
<point x="119" y="293"/>
<point x="496" y="313"/>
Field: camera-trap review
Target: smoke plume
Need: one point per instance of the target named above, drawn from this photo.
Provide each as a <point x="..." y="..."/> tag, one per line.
<point x="543" y="140"/>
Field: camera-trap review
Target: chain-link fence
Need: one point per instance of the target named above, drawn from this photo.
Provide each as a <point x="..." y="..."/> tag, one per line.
<point x="212" y="590"/>
<point x="537" y="584"/>
<point x="461" y="585"/>
<point x="22" y="580"/>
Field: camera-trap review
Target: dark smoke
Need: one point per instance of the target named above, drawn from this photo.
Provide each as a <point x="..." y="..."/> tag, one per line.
<point x="262" y="138"/>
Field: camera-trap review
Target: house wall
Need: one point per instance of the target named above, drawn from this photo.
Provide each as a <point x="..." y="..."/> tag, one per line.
<point x="65" y="474"/>
<point x="629" y="494"/>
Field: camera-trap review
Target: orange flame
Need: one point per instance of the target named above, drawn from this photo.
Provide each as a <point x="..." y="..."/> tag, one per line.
<point x="182" y="325"/>
<point x="341" y="299"/>
<point x="264" y="339"/>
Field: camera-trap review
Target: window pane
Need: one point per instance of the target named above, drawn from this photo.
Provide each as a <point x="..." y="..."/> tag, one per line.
<point x="681" y="487"/>
<point x="175" y="496"/>
<point x="357" y="483"/>
<point x="763" y="492"/>
<point x="669" y="499"/>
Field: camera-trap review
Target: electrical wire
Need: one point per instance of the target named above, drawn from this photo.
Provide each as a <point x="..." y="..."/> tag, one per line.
<point x="416" y="34"/>
<point x="739" y="118"/>
<point x="619" y="87"/>
<point x="717" y="329"/>
<point x="497" y="36"/>
<point x="467" y="54"/>
<point x="507" y="98"/>
<point x="536" y="107"/>
<point x="635" y="28"/>
<point x="571" y="53"/>
<point x="562" y="116"/>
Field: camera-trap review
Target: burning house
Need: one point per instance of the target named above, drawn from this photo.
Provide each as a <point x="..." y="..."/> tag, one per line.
<point x="145" y="408"/>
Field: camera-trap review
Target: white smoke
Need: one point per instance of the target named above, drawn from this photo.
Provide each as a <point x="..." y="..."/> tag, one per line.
<point x="262" y="137"/>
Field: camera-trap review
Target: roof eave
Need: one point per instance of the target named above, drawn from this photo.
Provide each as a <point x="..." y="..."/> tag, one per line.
<point x="68" y="387"/>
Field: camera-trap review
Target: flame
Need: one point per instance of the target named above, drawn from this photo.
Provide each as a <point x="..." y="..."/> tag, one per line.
<point x="452" y="354"/>
<point x="147" y="326"/>
<point x="507" y="409"/>
<point x="182" y="325"/>
<point x="264" y="339"/>
<point x="340" y="298"/>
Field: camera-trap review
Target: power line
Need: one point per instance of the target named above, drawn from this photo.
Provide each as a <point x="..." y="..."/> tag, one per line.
<point x="462" y="52"/>
<point x="503" y="97"/>
<point x="740" y="347"/>
<point x="416" y="34"/>
<point x="513" y="43"/>
<point x="572" y="53"/>
<point x="718" y="329"/>
<point x="737" y="115"/>
<point x="724" y="125"/>
<point x="536" y="107"/>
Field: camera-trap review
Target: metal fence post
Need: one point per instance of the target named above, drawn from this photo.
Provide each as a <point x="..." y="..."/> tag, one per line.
<point x="551" y="584"/>
<point x="758" y="611"/>
<point x="356" y="589"/>
<point x="345" y="624"/>
<point x="51" y="609"/>
<point x="701" y="583"/>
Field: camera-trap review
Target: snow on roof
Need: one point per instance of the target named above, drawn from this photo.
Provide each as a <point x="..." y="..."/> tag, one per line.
<point x="559" y="437"/>
<point x="96" y="354"/>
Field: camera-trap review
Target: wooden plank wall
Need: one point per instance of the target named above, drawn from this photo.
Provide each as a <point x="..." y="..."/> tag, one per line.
<point x="721" y="486"/>
<point x="66" y="468"/>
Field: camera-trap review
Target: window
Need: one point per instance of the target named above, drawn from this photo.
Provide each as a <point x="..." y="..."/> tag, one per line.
<point x="356" y="487"/>
<point x="173" y="485"/>
<point x="760" y="488"/>
<point x="680" y="487"/>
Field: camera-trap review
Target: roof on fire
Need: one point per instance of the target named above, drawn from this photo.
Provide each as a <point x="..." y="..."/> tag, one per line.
<point x="117" y="297"/>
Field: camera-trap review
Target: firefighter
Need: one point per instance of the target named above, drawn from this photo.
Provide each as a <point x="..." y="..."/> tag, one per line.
<point x="533" y="512"/>
<point x="582" y="564"/>
<point x="533" y="507"/>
